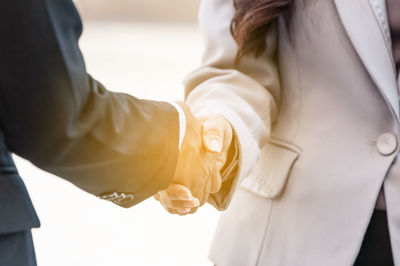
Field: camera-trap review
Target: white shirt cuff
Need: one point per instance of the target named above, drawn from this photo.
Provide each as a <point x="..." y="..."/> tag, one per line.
<point x="182" y="121"/>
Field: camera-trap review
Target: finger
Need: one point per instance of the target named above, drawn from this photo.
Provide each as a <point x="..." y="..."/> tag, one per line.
<point x="182" y="210"/>
<point x="220" y="159"/>
<point x="169" y="202"/>
<point x="213" y="136"/>
<point x="216" y="180"/>
<point x="217" y="133"/>
<point x="206" y="192"/>
<point x="184" y="204"/>
<point x="178" y="191"/>
<point x="157" y="196"/>
<point x="193" y="210"/>
<point x="180" y="204"/>
<point x="179" y="212"/>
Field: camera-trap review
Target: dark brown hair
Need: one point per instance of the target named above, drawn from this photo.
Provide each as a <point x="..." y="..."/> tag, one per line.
<point x="250" y="23"/>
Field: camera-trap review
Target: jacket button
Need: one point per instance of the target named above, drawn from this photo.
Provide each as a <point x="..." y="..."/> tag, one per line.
<point x="125" y="198"/>
<point x="387" y="144"/>
<point x="118" y="198"/>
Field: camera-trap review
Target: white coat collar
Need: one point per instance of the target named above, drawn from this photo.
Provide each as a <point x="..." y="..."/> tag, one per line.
<point x="366" y="24"/>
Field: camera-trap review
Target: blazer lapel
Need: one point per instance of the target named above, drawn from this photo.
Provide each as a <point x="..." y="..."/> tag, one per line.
<point x="366" y="25"/>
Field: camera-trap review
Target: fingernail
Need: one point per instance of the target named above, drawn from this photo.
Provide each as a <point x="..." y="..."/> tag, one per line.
<point x="184" y="210"/>
<point x="196" y="202"/>
<point x="215" y="145"/>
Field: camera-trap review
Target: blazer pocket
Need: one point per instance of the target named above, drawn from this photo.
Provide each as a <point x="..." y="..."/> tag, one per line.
<point x="270" y="174"/>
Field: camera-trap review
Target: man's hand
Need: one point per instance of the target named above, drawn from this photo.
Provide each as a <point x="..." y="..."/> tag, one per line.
<point x="203" y="155"/>
<point x="177" y="199"/>
<point x="197" y="174"/>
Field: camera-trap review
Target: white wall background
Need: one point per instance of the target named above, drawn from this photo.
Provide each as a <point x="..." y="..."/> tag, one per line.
<point x="148" y="61"/>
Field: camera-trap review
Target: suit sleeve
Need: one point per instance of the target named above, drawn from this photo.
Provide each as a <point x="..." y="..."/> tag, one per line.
<point x="57" y="116"/>
<point x="246" y="94"/>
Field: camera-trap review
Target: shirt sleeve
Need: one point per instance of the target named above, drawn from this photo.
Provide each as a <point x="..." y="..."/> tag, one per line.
<point x="182" y="122"/>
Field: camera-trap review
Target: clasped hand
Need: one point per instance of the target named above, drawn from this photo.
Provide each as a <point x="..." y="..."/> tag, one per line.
<point x="202" y="155"/>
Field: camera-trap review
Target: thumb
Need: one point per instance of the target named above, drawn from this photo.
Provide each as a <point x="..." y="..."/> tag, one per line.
<point x="213" y="136"/>
<point x="217" y="134"/>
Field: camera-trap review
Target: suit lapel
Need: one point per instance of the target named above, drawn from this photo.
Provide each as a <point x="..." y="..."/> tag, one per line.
<point x="364" y="21"/>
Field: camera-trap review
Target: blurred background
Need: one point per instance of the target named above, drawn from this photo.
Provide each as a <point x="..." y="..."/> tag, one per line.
<point x="144" y="48"/>
<point x="136" y="10"/>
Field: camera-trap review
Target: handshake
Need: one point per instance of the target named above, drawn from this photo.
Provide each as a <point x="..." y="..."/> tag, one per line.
<point x="201" y="157"/>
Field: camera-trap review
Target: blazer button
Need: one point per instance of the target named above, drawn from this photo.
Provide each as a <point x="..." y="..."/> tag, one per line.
<point x="125" y="198"/>
<point x="118" y="198"/>
<point x="387" y="144"/>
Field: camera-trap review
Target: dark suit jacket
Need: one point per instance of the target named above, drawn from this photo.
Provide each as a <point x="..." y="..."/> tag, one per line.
<point x="62" y="120"/>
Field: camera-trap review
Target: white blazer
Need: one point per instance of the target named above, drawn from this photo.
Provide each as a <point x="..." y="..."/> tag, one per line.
<point x="317" y="122"/>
